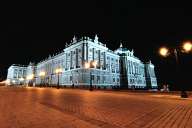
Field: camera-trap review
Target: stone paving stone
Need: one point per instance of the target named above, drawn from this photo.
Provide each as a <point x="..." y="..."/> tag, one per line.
<point x="188" y="123"/>
<point x="52" y="108"/>
<point x="186" y="118"/>
<point x="163" y="120"/>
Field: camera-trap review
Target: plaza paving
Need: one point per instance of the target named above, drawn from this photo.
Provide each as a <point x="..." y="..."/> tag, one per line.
<point x="74" y="108"/>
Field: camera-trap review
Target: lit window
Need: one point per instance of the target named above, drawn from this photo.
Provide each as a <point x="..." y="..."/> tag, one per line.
<point x="103" y="78"/>
<point x="70" y="78"/>
<point x="92" y="77"/>
<point x="98" y="78"/>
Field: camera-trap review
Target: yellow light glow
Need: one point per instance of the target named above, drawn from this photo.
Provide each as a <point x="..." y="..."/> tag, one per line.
<point x="58" y="70"/>
<point x="87" y="65"/>
<point x="7" y="81"/>
<point x="187" y="46"/>
<point x="21" y="79"/>
<point x="42" y="73"/>
<point x="30" y="77"/>
<point x="94" y="63"/>
<point x="163" y="51"/>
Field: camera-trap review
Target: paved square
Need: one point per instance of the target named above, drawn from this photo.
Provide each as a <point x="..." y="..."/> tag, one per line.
<point x="74" y="108"/>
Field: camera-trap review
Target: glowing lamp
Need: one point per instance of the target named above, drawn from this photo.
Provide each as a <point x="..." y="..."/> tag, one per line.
<point x="163" y="51"/>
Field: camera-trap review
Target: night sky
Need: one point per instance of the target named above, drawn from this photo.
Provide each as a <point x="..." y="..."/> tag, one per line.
<point x="35" y="30"/>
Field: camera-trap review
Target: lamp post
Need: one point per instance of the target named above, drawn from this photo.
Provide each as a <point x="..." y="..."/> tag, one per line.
<point x="21" y="80"/>
<point x="91" y="64"/>
<point x="58" y="71"/>
<point x="29" y="78"/>
<point x="187" y="47"/>
<point x="42" y="74"/>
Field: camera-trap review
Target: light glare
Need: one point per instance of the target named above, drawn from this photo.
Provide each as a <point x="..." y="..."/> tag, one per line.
<point x="163" y="51"/>
<point x="58" y="70"/>
<point x="187" y="46"/>
<point x="42" y="73"/>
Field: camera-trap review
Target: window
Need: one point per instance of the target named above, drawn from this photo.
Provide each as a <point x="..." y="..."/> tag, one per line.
<point x="24" y="72"/>
<point x="113" y="79"/>
<point x="92" y="77"/>
<point x="79" y="50"/>
<point x="98" y="78"/>
<point x="104" y="78"/>
<point x="15" y="75"/>
<point x="70" y="78"/>
<point x="15" y="70"/>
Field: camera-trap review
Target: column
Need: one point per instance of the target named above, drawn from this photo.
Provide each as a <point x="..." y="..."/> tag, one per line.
<point x="87" y="52"/>
<point x="76" y="52"/>
<point x="99" y="58"/>
<point x="71" y="59"/>
<point x="93" y="54"/>
<point x="83" y="55"/>
<point x="104" y="54"/>
<point x="131" y="67"/>
<point x="65" y="60"/>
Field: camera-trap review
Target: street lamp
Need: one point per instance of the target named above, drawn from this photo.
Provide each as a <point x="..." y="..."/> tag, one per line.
<point x="187" y="47"/>
<point x="163" y="51"/>
<point x="21" y="80"/>
<point x="58" y="71"/>
<point x="42" y="74"/>
<point x="30" y="77"/>
<point x="91" y="64"/>
<point x="13" y="81"/>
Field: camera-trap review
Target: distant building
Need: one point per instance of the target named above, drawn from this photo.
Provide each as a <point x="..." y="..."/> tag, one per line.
<point x="119" y="68"/>
<point x="16" y="73"/>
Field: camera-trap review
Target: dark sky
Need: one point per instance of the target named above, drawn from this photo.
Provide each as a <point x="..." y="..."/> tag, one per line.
<point x="34" y="30"/>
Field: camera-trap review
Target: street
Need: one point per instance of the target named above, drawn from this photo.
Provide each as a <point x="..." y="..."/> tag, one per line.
<point x="75" y="108"/>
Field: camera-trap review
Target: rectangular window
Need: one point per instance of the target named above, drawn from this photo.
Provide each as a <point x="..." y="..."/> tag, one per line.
<point x="104" y="78"/>
<point x="15" y="75"/>
<point x="70" y="78"/>
<point x="98" y="78"/>
<point x="92" y="77"/>
<point x="113" y="79"/>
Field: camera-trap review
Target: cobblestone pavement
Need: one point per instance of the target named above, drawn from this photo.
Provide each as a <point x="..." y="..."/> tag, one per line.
<point x="68" y="108"/>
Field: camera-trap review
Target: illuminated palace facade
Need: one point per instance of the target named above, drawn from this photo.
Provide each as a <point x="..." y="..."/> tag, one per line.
<point x="71" y="67"/>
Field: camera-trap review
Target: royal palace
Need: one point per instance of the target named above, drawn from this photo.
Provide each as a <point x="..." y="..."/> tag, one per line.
<point x="83" y="62"/>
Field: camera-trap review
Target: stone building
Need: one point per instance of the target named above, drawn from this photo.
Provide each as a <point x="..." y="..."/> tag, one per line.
<point x="119" y="68"/>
